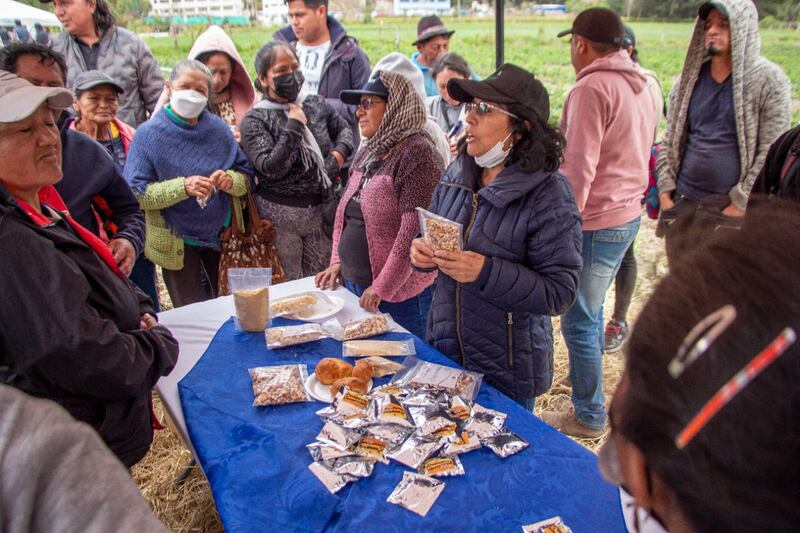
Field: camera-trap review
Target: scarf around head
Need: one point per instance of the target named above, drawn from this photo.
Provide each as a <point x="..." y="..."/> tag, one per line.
<point x="405" y="115"/>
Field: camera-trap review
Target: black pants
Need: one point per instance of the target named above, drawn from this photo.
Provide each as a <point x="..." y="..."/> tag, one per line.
<point x="197" y="280"/>
<point x="691" y="225"/>
<point x="624" y="284"/>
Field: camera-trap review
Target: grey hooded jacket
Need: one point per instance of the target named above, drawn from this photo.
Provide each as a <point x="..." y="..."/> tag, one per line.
<point x="128" y="60"/>
<point x="761" y="101"/>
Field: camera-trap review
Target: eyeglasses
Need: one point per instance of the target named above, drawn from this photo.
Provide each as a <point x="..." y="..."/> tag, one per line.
<point x="367" y="103"/>
<point x="484" y="108"/>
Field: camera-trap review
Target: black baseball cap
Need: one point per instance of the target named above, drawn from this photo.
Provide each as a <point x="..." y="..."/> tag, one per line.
<point x="599" y="25"/>
<point x="430" y="27"/>
<point x="93" y="78"/>
<point x="374" y="87"/>
<point x="629" y="39"/>
<point x="510" y="85"/>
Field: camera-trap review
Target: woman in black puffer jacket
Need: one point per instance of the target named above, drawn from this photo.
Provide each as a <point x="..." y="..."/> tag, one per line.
<point x="294" y="140"/>
<point x="492" y="302"/>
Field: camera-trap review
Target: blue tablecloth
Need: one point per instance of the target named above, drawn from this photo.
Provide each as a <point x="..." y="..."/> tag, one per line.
<point x="256" y="459"/>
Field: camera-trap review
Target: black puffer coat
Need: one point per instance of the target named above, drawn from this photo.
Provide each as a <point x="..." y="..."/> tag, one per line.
<point x="71" y="331"/>
<point x="272" y="143"/>
<point x="529" y="229"/>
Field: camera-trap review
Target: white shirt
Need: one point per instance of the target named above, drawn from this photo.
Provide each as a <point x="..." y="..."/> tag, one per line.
<point x="312" y="58"/>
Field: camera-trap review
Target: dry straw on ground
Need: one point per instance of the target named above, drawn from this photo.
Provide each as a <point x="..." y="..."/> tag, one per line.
<point x="189" y="507"/>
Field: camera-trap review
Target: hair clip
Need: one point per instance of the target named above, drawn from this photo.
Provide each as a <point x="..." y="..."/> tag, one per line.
<point x="700" y="338"/>
<point x="735" y="385"/>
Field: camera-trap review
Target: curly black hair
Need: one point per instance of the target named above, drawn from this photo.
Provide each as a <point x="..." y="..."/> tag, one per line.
<point x="10" y="54"/>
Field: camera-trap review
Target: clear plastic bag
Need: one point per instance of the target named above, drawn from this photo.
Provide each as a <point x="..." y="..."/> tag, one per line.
<point x="297" y="305"/>
<point x="283" y="336"/>
<point x="359" y="329"/>
<point x="378" y="348"/>
<point x="250" y="290"/>
<point x="439" y="232"/>
<point x="417" y="373"/>
<point x="278" y="385"/>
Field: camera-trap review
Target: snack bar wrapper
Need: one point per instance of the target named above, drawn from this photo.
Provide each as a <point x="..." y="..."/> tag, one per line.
<point x="440" y="233"/>
<point x="382" y="367"/>
<point x="422" y="374"/>
<point x="415" y="450"/>
<point x="337" y="436"/>
<point x="416" y="492"/>
<point x="505" y="443"/>
<point x="551" y="525"/>
<point x="378" y="348"/>
<point x="278" y="385"/>
<point x="485" y="422"/>
<point x="354" y="466"/>
<point x="333" y="482"/>
<point x="465" y="443"/>
<point x="442" y="466"/>
<point x="280" y="337"/>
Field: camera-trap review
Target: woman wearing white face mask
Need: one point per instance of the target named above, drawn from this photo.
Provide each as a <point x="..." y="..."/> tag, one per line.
<point x="184" y="165"/>
<point x="522" y="237"/>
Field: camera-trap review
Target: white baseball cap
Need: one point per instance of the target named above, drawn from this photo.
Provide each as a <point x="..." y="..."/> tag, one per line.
<point x="19" y="99"/>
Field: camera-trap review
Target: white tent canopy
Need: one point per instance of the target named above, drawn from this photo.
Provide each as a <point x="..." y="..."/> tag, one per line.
<point x="10" y="10"/>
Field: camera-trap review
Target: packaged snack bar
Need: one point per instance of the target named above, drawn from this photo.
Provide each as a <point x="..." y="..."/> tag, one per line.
<point x="416" y="492"/>
<point x="387" y="409"/>
<point x="390" y="433"/>
<point x="551" y="525"/>
<point x="382" y="367"/>
<point x="485" y="422"/>
<point x="250" y="289"/>
<point x="372" y="448"/>
<point x="439" y="232"/>
<point x="337" y="436"/>
<point x="325" y="453"/>
<point x="333" y="482"/>
<point x="415" y="450"/>
<point x="422" y="374"/>
<point x="283" y="336"/>
<point x="465" y="443"/>
<point x="459" y="409"/>
<point x="354" y="466"/>
<point x="442" y="466"/>
<point x="277" y="385"/>
<point x="505" y="443"/>
<point x="290" y="305"/>
<point x="378" y="348"/>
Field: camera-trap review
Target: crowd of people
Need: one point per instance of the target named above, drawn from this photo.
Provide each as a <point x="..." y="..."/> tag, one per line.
<point x="107" y="170"/>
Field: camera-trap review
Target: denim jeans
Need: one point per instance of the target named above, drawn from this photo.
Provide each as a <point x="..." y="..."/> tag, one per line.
<point x="582" y="324"/>
<point x="412" y="314"/>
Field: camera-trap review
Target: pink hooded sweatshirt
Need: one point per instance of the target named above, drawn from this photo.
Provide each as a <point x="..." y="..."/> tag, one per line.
<point x="609" y="120"/>
<point x="243" y="94"/>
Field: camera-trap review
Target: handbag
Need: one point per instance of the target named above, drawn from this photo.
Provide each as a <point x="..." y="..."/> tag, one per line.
<point x="253" y="247"/>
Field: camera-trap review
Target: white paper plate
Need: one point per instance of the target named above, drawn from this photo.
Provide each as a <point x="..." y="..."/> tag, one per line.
<point x="327" y="305"/>
<point x="321" y="392"/>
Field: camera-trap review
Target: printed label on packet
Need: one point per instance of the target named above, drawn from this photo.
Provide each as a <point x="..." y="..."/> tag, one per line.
<point x="372" y="448"/>
<point x="442" y="466"/>
<point x="356" y="399"/>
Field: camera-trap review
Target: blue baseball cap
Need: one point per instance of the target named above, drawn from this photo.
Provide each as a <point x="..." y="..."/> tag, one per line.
<point x="374" y="87"/>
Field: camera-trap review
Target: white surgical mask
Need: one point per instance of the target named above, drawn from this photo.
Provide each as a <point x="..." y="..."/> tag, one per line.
<point x="188" y="103"/>
<point x="495" y="155"/>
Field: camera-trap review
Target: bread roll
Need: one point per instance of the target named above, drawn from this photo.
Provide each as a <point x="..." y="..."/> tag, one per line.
<point x="362" y="371"/>
<point x="330" y="369"/>
<point x="351" y="382"/>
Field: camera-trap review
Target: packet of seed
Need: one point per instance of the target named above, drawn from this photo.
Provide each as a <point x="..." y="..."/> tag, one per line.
<point x="439" y="232"/>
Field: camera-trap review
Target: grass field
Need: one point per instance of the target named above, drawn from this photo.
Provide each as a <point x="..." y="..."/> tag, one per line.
<point x="530" y="43"/>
